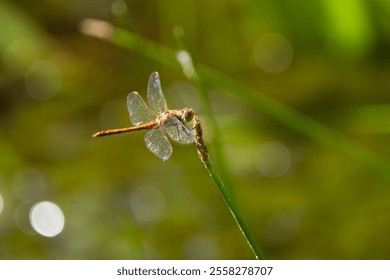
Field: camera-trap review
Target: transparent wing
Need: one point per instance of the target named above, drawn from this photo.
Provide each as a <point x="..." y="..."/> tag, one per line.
<point x="155" y="95"/>
<point x="140" y="113"/>
<point x="179" y="131"/>
<point x="157" y="142"/>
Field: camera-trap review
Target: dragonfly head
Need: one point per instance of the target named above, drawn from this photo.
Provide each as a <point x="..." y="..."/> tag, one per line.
<point x="187" y="114"/>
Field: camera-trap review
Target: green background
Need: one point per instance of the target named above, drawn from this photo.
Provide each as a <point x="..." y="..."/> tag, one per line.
<point x="59" y="86"/>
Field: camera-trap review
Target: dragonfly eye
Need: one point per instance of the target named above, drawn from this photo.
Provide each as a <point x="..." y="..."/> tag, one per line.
<point x="187" y="114"/>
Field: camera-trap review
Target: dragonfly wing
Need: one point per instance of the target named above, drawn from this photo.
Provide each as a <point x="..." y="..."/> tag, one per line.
<point x="157" y="142"/>
<point x="155" y="95"/>
<point x="179" y="132"/>
<point x="140" y="112"/>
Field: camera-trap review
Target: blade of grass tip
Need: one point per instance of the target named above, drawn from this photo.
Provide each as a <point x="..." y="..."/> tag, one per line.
<point x="205" y="159"/>
<point x="189" y="68"/>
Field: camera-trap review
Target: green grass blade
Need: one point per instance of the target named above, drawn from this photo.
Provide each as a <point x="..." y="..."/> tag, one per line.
<point x="205" y="159"/>
<point x="234" y="211"/>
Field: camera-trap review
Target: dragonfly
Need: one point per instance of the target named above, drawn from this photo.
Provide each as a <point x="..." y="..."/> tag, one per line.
<point x="157" y="119"/>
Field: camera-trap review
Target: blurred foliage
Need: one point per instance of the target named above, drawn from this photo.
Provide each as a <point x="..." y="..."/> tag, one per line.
<point x="58" y="87"/>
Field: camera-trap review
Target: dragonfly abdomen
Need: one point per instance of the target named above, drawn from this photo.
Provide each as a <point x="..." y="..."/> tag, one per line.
<point x="151" y="125"/>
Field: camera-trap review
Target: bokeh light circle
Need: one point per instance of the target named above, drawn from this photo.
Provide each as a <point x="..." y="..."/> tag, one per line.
<point x="119" y="7"/>
<point x="273" y="53"/>
<point x="273" y="159"/>
<point x="43" y="80"/>
<point x="47" y="218"/>
<point x="198" y="247"/>
<point x="147" y="203"/>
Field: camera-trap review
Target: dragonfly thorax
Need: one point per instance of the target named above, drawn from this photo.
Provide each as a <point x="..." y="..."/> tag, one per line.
<point x="184" y="115"/>
<point x="165" y="118"/>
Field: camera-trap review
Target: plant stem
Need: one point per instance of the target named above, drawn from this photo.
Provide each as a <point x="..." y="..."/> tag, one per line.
<point x="234" y="211"/>
<point x="205" y="159"/>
